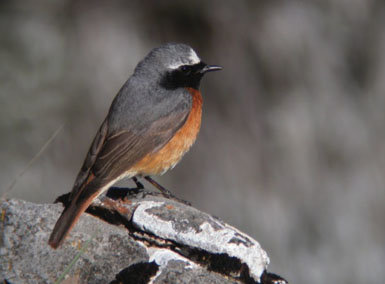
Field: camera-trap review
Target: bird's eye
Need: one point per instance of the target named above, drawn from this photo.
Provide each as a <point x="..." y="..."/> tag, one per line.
<point x="184" y="68"/>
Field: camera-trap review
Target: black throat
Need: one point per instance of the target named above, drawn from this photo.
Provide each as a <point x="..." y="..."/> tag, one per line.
<point x="186" y="76"/>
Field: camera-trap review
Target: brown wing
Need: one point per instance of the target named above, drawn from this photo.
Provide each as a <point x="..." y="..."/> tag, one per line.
<point x="111" y="155"/>
<point x="123" y="149"/>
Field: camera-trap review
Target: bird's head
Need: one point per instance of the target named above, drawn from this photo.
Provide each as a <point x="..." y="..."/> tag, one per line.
<point x="174" y="65"/>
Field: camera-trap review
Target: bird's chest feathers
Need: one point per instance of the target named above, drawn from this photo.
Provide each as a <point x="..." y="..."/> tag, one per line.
<point x="186" y="135"/>
<point x="168" y="156"/>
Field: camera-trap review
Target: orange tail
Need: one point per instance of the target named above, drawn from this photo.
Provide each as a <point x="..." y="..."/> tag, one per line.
<point x="71" y="214"/>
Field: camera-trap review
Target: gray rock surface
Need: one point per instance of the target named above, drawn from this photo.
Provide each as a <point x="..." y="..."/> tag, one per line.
<point x="25" y="256"/>
<point x="141" y="240"/>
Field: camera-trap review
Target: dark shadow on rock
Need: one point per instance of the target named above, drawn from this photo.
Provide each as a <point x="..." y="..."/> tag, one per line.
<point x="138" y="273"/>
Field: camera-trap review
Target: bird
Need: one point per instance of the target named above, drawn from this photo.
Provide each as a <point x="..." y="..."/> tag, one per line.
<point x="152" y="122"/>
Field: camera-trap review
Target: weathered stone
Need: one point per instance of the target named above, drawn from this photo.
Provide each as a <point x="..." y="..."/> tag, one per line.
<point x="26" y="257"/>
<point x="142" y="239"/>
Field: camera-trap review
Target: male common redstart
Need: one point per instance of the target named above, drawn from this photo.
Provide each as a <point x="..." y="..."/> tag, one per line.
<point x="152" y="122"/>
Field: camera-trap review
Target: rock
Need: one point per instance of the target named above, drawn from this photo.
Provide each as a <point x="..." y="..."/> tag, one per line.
<point x="141" y="239"/>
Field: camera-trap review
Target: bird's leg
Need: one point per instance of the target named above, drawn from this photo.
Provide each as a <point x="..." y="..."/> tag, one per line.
<point x="163" y="190"/>
<point x="139" y="185"/>
<point x="166" y="193"/>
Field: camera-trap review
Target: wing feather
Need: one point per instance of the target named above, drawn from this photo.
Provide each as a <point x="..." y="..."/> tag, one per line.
<point x="120" y="152"/>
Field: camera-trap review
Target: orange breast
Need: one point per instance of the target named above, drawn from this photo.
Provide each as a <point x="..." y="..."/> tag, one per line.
<point x="167" y="157"/>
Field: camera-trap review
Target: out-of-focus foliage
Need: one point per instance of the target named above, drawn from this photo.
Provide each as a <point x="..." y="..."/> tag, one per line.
<point x="292" y="142"/>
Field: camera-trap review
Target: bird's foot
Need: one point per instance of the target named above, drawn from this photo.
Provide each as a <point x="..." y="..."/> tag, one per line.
<point x="165" y="192"/>
<point x="139" y="185"/>
<point x="185" y="202"/>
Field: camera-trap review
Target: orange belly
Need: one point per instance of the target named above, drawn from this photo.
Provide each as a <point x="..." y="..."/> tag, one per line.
<point x="167" y="157"/>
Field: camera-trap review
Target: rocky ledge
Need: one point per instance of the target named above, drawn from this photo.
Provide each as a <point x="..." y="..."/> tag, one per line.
<point x="136" y="238"/>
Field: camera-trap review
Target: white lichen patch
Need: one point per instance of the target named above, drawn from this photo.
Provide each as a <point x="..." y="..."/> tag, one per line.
<point x="207" y="233"/>
<point x="163" y="256"/>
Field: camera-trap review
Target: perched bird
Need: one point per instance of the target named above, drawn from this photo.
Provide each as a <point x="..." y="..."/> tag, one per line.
<point x="152" y="122"/>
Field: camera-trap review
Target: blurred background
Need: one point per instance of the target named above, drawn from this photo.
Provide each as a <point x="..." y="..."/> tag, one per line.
<point x="291" y="148"/>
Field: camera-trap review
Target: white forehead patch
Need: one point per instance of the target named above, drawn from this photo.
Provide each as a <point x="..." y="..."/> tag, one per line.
<point x="191" y="60"/>
<point x="194" y="57"/>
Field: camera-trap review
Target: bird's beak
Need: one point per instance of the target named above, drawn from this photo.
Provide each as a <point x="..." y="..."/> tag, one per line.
<point x="209" y="68"/>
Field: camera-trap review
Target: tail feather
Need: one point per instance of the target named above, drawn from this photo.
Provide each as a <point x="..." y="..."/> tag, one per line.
<point x="71" y="213"/>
